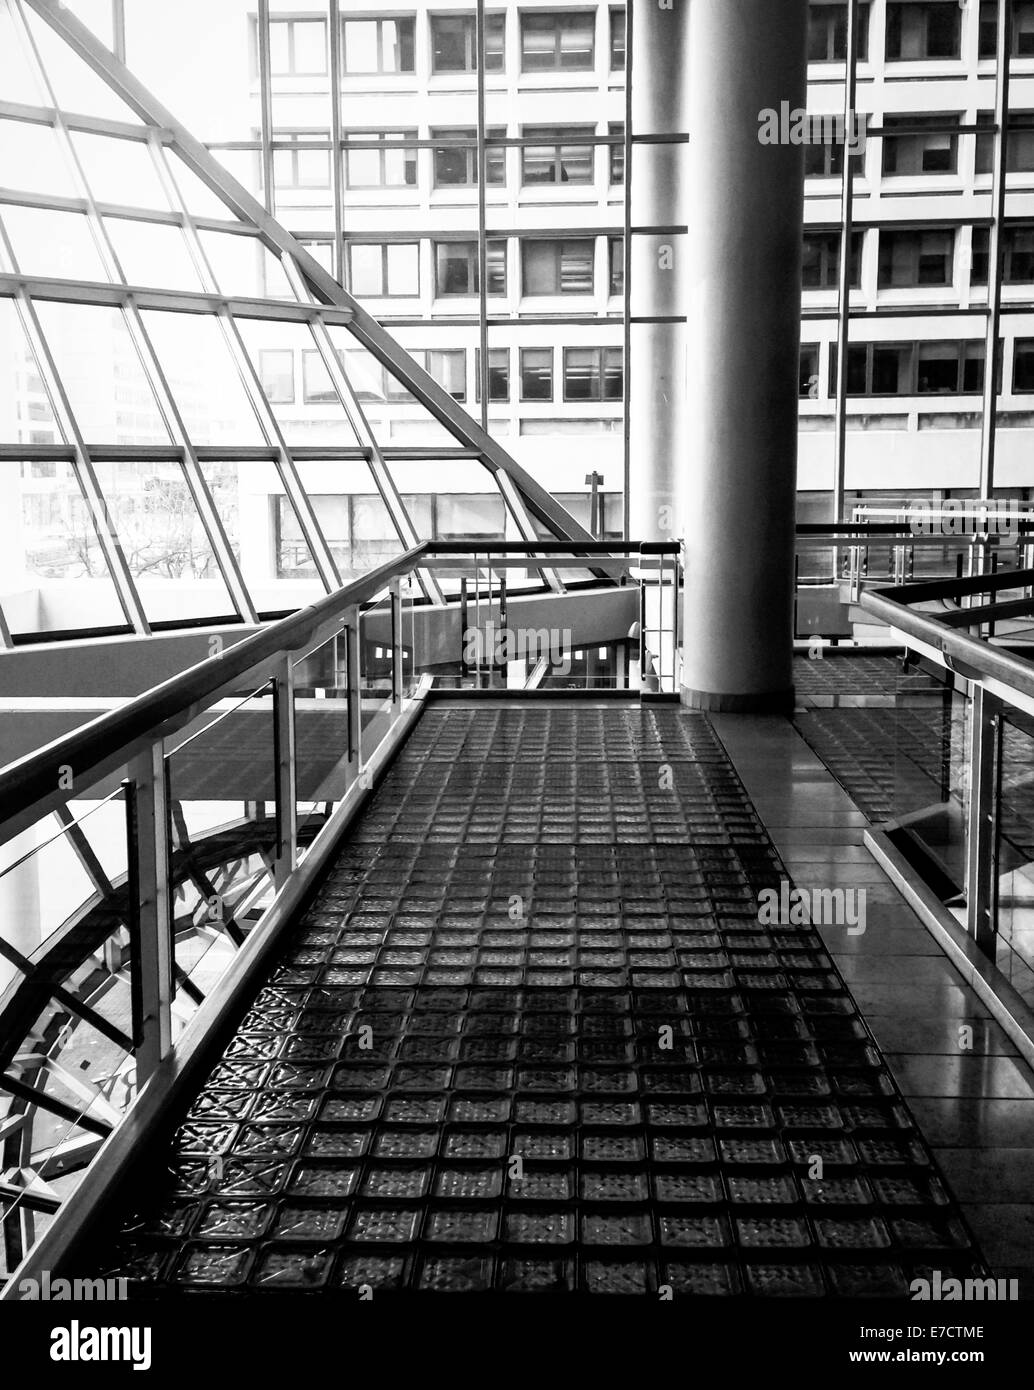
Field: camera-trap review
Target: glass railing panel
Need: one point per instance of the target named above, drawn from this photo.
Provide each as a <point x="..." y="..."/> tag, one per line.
<point x="221" y="785"/>
<point x="376" y="679"/>
<point x="1014" y="852"/>
<point x="325" y="765"/>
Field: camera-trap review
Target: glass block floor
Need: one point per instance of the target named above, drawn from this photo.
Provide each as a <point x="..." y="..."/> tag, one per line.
<point x="530" y="1035"/>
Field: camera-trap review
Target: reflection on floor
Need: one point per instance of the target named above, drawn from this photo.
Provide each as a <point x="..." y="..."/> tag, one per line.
<point x="531" y="1034"/>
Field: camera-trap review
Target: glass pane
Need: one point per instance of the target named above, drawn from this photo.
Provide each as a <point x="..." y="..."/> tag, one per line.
<point x="102" y="375"/>
<point x="119" y="171"/>
<point x="244" y="266"/>
<point x="203" y="378"/>
<point x="33" y="161"/>
<point x="76" y="86"/>
<point x="18" y="80"/>
<point x="53" y="577"/>
<point x="200" y="60"/>
<point x="356" y="524"/>
<point x="1014" y="857"/>
<point x="392" y="412"/>
<point x="256" y="513"/>
<point x="222" y="789"/>
<point x="56" y="244"/>
<point x="318" y="421"/>
<point x="321" y="734"/>
<point x="152" y="255"/>
<point x="375" y="674"/>
<point x="164" y="541"/>
<point x="26" y="415"/>
<point x="200" y="200"/>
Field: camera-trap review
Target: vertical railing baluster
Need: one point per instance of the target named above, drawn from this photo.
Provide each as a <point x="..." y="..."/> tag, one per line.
<point x="980" y="828"/>
<point x="285" y="760"/>
<point x="154" y="908"/>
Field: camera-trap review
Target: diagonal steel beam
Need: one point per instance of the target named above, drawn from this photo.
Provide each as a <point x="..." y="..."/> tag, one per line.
<point x="363" y="325"/>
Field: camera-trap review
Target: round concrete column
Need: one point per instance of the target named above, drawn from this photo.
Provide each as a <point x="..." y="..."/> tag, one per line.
<point x="658" y="199"/>
<point x="746" y="57"/>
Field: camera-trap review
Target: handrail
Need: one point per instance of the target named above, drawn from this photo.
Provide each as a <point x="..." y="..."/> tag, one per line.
<point x="86" y="750"/>
<point x="104" y="743"/>
<point x="971" y="653"/>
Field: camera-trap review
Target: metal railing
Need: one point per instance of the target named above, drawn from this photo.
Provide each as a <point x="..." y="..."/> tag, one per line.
<point x="977" y="842"/>
<point x="150" y="859"/>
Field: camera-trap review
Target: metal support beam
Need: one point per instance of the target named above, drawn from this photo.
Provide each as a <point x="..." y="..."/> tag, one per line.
<point x="844" y="281"/>
<point x="989" y="423"/>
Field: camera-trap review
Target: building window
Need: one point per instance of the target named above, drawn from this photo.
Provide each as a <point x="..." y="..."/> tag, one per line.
<point x="825" y="160"/>
<point x="927" y="150"/>
<point x="536" y="374"/>
<point x="558" y="267"/>
<point x="317" y="387"/>
<point x="384" y="268"/>
<point x="378" y="45"/>
<point x="1017" y="255"/>
<point x="876" y="369"/>
<point x="389" y="165"/>
<point x="950" y="369"/>
<point x="617" y="40"/>
<point x="276" y="373"/>
<point x="918" y="31"/>
<point x="1023" y="365"/>
<point x="911" y="259"/>
<point x="300" y="166"/>
<point x="616" y="156"/>
<point x="821" y="265"/>
<point x="616" y="260"/>
<point x="910" y="369"/>
<point x="297" y="47"/>
<point x="827" y="32"/>
<point x="808" y="377"/>
<point x="558" y="40"/>
<point x="454" y="43"/>
<point x="1022" y="28"/>
<point x="1019" y="150"/>
<point x="447" y="366"/>
<point x="456" y="163"/>
<point x="456" y="267"/>
<point x="556" y="163"/>
<point x="498" y="374"/>
<point x="593" y="374"/>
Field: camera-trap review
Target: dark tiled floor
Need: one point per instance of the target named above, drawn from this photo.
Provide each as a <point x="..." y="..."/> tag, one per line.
<point x="531" y="1035"/>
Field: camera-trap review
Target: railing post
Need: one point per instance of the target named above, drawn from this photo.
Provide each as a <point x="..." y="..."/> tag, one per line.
<point x="286" y="774"/>
<point x="153" y="910"/>
<point x="396" y="649"/>
<point x="355" y="696"/>
<point x="981" y="872"/>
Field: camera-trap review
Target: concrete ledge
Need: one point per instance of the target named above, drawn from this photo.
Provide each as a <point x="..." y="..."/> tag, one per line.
<point x="982" y="976"/>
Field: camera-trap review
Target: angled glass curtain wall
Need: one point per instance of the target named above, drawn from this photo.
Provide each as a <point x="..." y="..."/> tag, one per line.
<point x="173" y="379"/>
